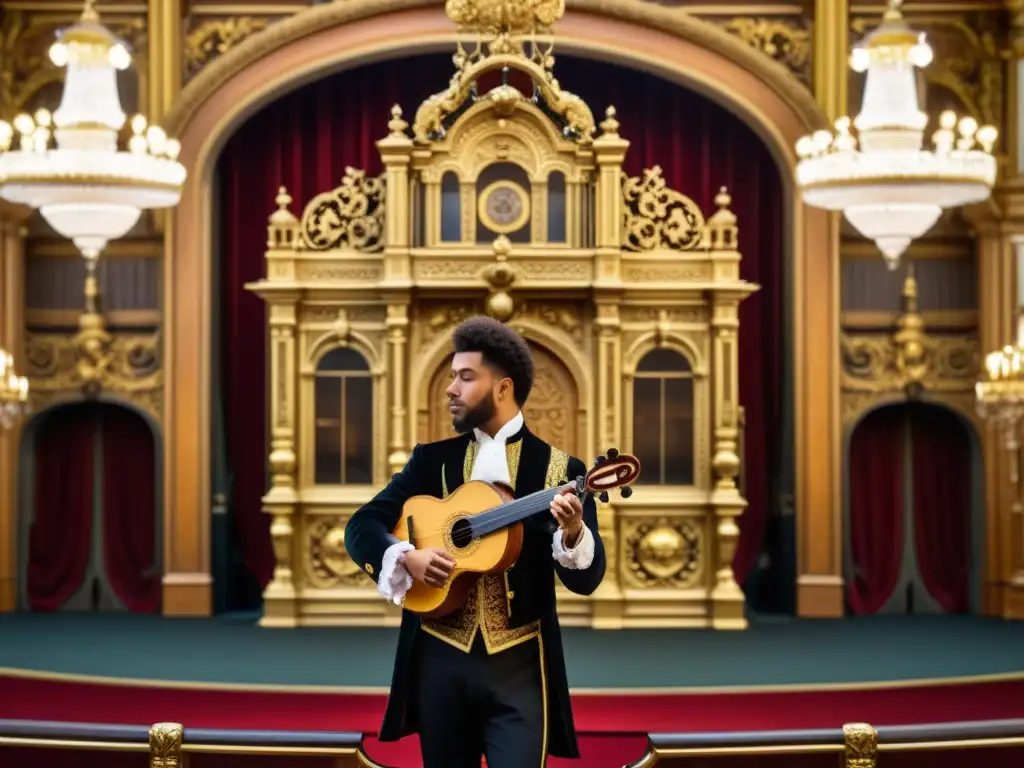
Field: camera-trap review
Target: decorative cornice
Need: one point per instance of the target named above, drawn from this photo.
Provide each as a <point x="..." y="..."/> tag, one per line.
<point x="318" y="18"/>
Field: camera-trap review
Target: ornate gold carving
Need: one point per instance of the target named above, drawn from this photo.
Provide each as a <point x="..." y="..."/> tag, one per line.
<point x="673" y="315"/>
<point x="512" y="16"/>
<point x="910" y="359"/>
<point x="327" y="562"/>
<point x="565" y="317"/>
<point x="662" y="552"/>
<point x="656" y="216"/>
<point x="441" y="319"/>
<point x="787" y="41"/>
<point x="340" y="272"/>
<point x="214" y="37"/>
<point x="124" y="365"/>
<point x="860" y="745"/>
<point x="165" y="745"/>
<point x="500" y="276"/>
<point x="551" y="408"/>
<point x="673" y="273"/>
<point x="350" y="216"/>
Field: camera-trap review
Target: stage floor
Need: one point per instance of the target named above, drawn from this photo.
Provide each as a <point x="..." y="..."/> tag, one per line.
<point x="234" y="651"/>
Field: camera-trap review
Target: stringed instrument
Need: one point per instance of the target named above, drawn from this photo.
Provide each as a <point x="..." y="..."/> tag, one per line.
<point x="480" y="525"/>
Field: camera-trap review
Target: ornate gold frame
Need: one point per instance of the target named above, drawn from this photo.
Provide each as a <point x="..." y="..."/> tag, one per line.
<point x="329" y="36"/>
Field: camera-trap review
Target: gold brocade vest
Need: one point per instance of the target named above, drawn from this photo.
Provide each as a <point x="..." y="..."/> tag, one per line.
<point x="489" y="603"/>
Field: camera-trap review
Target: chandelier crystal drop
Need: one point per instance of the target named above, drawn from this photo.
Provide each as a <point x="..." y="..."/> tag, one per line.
<point x="14" y="404"/>
<point x="890" y="188"/>
<point x="86" y="187"/>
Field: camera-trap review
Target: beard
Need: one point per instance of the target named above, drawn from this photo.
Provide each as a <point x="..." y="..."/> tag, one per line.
<point x="475" y="416"/>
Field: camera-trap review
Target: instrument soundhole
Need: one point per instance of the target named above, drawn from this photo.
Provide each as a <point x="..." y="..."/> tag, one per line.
<point x="462" y="533"/>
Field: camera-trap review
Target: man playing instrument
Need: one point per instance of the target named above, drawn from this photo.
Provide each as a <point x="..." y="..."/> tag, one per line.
<point x="488" y="679"/>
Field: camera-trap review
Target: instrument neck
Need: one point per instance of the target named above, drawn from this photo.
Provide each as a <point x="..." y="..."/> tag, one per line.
<point x="513" y="512"/>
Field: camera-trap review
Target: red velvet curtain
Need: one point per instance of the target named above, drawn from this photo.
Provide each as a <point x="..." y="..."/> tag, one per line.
<point x="60" y="538"/>
<point x="306" y="139"/>
<point x="942" y="473"/>
<point x="129" y="509"/>
<point x="875" y="482"/>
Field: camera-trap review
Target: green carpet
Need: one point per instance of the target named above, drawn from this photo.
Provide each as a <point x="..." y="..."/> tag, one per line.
<point x="235" y="650"/>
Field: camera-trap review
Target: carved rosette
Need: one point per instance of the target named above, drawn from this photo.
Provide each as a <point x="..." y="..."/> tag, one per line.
<point x="656" y="216"/>
<point x="661" y="552"/>
<point x="327" y="564"/>
<point x="349" y="217"/>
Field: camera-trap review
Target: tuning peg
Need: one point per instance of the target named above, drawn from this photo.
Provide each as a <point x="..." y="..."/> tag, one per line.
<point x="626" y="492"/>
<point x="612" y="453"/>
<point x="599" y="461"/>
<point x="603" y="496"/>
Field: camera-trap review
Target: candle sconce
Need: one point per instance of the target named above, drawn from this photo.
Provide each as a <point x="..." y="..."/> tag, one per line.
<point x="1000" y="397"/>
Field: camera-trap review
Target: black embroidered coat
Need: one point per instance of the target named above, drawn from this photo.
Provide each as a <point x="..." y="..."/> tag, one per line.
<point x="531" y="581"/>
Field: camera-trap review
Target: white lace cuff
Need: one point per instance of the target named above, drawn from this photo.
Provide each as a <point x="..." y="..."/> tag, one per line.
<point x="579" y="557"/>
<point x="394" y="581"/>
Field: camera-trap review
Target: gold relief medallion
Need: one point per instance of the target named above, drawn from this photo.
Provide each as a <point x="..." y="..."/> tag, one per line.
<point x="504" y="207"/>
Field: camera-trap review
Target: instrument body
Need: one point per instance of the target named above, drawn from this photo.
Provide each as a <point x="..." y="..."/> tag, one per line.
<point x="480" y="526"/>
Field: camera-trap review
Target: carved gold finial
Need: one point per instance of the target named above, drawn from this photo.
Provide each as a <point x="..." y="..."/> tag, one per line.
<point x="500" y="277"/>
<point x="397" y="125"/>
<point x="610" y="126"/>
<point x="341" y="327"/>
<point x="165" y="745"/>
<point x="860" y="745"/>
<point x="910" y="340"/>
<point x="892" y="11"/>
<point x="89" y="12"/>
<point x="282" y="215"/>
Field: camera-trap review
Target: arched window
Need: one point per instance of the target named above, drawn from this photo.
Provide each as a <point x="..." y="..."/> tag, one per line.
<point x="344" y="418"/>
<point x="451" y="208"/>
<point x="556" y="207"/>
<point x="663" y="418"/>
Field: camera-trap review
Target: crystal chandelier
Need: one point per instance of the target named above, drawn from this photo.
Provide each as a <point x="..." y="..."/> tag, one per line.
<point x="13" y="392"/>
<point x="890" y="188"/>
<point x="86" y="188"/>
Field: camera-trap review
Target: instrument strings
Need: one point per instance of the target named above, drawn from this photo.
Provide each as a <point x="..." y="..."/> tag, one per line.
<point x="504" y="514"/>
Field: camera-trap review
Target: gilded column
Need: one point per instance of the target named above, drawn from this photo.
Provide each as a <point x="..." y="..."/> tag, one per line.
<point x="609" y="153"/>
<point x="12" y="334"/>
<point x="831" y="52"/>
<point x="281" y="608"/>
<point x="396" y="153"/>
<point x="165" y="54"/>
<point x="726" y="596"/>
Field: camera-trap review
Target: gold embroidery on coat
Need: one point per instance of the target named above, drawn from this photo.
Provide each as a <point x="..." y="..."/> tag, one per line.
<point x="489" y="602"/>
<point x="558" y="468"/>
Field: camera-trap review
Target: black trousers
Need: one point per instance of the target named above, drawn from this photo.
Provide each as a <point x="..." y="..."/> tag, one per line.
<point x="474" y="704"/>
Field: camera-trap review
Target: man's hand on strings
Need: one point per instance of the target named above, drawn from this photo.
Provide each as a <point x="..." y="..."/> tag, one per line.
<point x="567" y="509"/>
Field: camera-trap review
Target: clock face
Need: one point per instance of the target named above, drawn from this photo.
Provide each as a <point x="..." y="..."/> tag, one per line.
<point x="504" y="207"/>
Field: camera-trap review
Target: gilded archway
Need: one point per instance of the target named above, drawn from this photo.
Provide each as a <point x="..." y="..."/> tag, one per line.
<point x="335" y="35"/>
<point x="551" y="410"/>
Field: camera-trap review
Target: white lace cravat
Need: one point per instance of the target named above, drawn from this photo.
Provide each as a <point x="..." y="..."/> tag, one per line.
<point x="491" y="462"/>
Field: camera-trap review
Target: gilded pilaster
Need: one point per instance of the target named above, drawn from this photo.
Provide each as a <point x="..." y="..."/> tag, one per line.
<point x="165" y="54"/>
<point x="396" y="154"/>
<point x="12" y="332"/>
<point x="997" y="224"/>
<point x="831" y="48"/>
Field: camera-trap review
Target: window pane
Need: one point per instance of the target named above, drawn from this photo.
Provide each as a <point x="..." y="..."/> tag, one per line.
<point x="328" y="398"/>
<point x="664" y="361"/>
<point x="556" y="207"/>
<point x="678" y="431"/>
<point x="328" y="454"/>
<point x="451" y="209"/>
<point x="358" y="429"/>
<point x="647" y="428"/>
<point x="343" y="359"/>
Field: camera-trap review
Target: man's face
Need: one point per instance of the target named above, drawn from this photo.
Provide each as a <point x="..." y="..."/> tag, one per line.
<point x="474" y="392"/>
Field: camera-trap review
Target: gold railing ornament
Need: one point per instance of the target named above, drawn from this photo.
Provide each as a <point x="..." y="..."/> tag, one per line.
<point x="14" y="403"/>
<point x="165" y="745"/>
<point x="860" y="745"/>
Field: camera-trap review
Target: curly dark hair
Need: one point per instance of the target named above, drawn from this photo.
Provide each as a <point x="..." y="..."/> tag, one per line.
<point x="501" y="347"/>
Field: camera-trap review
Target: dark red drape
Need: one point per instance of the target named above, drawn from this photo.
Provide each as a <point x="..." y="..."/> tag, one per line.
<point x="875" y="483"/>
<point x="61" y="534"/>
<point x="942" y="473"/>
<point x="306" y="139"/>
<point x="129" y="509"/>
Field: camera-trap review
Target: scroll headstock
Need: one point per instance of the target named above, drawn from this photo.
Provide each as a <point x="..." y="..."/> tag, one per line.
<point x="616" y="470"/>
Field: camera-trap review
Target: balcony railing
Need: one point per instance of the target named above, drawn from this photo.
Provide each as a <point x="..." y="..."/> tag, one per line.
<point x="858" y="744"/>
